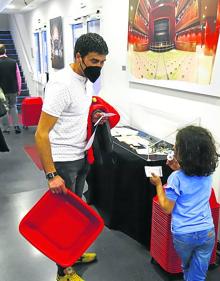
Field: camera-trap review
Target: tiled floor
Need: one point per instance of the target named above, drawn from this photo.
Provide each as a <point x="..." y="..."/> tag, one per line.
<point x="21" y="185"/>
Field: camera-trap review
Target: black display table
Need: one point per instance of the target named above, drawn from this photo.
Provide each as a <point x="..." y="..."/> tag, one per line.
<point x="121" y="192"/>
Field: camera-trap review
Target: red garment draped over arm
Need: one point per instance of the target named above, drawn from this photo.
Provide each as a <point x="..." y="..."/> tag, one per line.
<point x="99" y="104"/>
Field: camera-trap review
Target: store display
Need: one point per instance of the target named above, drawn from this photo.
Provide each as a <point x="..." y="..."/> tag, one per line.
<point x="141" y="142"/>
<point x="120" y="190"/>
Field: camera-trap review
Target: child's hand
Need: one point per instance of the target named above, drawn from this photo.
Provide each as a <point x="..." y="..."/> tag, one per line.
<point x="173" y="164"/>
<point x="155" y="180"/>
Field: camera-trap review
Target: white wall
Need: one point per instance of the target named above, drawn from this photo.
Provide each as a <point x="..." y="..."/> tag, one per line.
<point x="4" y="22"/>
<point x="155" y="110"/>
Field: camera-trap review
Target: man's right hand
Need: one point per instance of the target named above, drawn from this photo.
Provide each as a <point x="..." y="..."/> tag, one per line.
<point x="57" y="185"/>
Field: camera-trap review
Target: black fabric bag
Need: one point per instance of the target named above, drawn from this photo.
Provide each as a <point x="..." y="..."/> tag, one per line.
<point x="3" y="104"/>
<point x="103" y="142"/>
<point x="3" y="109"/>
<point x="3" y="144"/>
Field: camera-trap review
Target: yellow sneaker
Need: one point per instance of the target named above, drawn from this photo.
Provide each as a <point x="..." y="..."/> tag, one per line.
<point x="71" y="275"/>
<point x="87" y="258"/>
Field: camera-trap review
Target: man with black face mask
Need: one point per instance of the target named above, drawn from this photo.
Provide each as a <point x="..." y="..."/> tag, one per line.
<point x="62" y="129"/>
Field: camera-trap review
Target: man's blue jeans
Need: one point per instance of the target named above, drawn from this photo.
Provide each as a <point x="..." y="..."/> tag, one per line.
<point x="195" y="250"/>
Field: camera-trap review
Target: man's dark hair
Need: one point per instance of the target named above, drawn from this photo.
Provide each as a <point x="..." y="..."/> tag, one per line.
<point x="90" y="42"/>
<point x="196" y="151"/>
<point x="2" y="49"/>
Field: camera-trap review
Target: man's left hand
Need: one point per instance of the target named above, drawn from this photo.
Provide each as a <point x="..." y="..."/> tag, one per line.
<point x="97" y="115"/>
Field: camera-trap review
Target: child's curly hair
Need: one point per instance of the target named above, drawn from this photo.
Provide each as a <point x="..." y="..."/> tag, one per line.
<point x="196" y="151"/>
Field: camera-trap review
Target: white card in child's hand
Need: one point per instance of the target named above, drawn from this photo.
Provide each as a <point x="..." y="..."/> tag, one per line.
<point x="157" y="170"/>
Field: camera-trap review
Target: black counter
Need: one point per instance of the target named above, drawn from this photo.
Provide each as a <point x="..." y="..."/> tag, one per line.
<point x="122" y="193"/>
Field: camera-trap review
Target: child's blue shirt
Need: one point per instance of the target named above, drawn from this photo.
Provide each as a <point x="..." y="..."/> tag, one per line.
<point x="192" y="211"/>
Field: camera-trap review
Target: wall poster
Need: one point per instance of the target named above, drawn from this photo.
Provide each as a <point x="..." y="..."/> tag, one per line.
<point x="56" y="39"/>
<point x="173" y="43"/>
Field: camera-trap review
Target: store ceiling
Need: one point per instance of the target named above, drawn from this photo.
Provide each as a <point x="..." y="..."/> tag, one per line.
<point x="19" y="6"/>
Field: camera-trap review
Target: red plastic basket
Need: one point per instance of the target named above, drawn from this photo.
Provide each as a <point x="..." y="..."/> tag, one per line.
<point x="31" y="110"/>
<point x="162" y="249"/>
<point x="61" y="226"/>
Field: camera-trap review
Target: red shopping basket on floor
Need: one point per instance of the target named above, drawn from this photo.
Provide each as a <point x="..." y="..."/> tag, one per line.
<point x="61" y="226"/>
<point x="31" y="110"/>
<point x="161" y="248"/>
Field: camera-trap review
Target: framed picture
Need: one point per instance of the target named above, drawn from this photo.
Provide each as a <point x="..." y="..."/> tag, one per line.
<point x="56" y="39"/>
<point x="173" y="44"/>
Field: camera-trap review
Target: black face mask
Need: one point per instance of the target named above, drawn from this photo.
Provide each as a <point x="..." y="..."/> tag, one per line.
<point x="92" y="73"/>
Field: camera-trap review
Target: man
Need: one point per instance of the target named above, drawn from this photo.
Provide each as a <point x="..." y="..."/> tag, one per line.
<point x="62" y="129"/>
<point x="10" y="82"/>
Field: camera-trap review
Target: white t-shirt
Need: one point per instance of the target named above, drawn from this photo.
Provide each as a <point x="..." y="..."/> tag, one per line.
<point x="66" y="98"/>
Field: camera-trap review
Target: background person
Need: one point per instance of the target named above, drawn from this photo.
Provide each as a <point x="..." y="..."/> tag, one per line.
<point x="187" y="195"/>
<point x="10" y="82"/>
